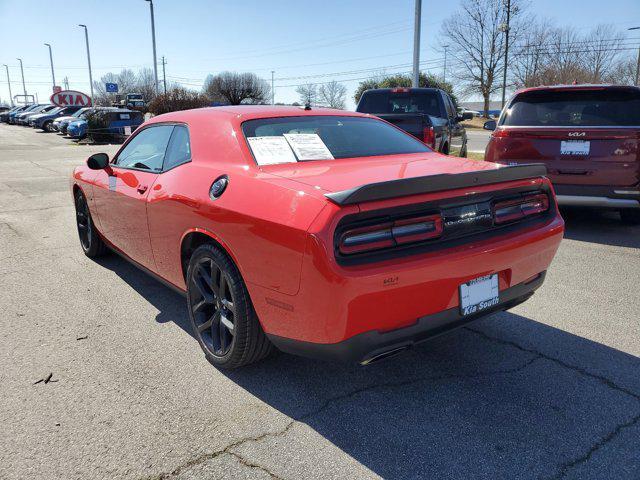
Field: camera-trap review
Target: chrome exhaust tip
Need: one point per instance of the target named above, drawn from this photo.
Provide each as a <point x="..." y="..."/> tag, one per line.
<point x="386" y="354"/>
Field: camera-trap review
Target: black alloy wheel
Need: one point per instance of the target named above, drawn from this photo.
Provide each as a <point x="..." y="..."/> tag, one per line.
<point x="222" y="316"/>
<point x="90" y="241"/>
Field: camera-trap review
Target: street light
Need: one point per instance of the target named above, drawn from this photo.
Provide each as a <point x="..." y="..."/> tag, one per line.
<point x="153" y="39"/>
<point x="53" y="75"/>
<point x="8" y="83"/>
<point x="86" y="37"/>
<point x="638" y="62"/>
<point x="24" y="87"/>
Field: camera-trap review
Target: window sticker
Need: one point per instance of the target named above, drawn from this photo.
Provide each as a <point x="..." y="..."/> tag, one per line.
<point x="308" y="146"/>
<point x="271" y="150"/>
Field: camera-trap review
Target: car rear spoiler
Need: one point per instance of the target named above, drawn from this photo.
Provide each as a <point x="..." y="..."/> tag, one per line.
<point x="435" y="183"/>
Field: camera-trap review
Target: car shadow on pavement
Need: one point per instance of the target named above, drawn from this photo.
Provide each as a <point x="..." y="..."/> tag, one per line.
<point x="506" y="397"/>
<point x="599" y="226"/>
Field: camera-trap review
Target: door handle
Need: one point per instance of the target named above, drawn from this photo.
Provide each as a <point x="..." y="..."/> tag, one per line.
<point x="142" y="188"/>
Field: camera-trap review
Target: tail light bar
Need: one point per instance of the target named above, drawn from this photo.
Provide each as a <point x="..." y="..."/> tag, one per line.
<point x="400" y="90"/>
<point x="429" y="137"/>
<point x="517" y="209"/>
<point x="390" y="234"/>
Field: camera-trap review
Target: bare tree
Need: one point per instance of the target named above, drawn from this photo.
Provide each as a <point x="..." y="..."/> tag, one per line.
<point x="126" y="81"/>
<point x="307" y="93"/>
<point x="476" y="40"/>
<point x="332" y="94"/>
<point x="528" y="58"/>
<point x="236" y="88"/>
<point x="146" y="84"/>
<point x="561" y="55"/>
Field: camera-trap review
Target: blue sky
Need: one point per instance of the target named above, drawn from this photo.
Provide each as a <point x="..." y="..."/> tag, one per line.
<point x="337" y="39"/>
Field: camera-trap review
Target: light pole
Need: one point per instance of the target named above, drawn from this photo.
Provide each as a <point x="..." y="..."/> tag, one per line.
<point x="506" y="29"/>
<point x="164" y="75"/>
<point x="153" y="38"/>
<point x="444" y="70"/>
<point x="24" y="87"/>
<point x="416" y="45"/>
<point x="9" y="83"/>
<point x="86" y="37"/>
<point x="53" y="75"/>
<point x="638" y="62"/>
<point x="273" y="96"/>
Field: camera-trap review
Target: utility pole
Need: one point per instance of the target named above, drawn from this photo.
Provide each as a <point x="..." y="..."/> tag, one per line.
<point x="637" y="82"/>
<point x="9" y="83"/>
<point x="444" y="70"/>
<point x="164" y="75"/>
<point x="416" y="45"/>
<point x="24" y="87"/>
<point x="506" y="51"/>
<point x="53" y="75"/>
<point x="86" y="37"/>
<point x="273" y="95"/>
<point x="153" y="38"/>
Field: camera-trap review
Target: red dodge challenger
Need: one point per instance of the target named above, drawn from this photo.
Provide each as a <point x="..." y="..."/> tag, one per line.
<point x="324" y="233"/>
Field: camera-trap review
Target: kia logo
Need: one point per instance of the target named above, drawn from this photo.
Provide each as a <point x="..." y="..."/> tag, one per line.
<point x="577" y="134"/>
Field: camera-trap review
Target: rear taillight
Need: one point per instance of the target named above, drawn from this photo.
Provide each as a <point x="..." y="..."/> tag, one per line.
<point x="390" y="234"/>
<point x="517" y="209"/>
<point x="400" y="90"/>
<point x="429" y="137"/>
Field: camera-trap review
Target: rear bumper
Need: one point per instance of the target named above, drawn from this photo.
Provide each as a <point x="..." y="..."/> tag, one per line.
<point x="598" y="196"/>
<point x="368" y="346"/>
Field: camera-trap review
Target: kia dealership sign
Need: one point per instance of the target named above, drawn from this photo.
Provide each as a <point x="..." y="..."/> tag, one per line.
<point x="70" y="98"/>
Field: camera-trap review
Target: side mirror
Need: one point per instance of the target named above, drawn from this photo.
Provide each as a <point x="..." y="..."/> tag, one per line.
<point x="490" y="125"/>
<point x="98" y="161"/>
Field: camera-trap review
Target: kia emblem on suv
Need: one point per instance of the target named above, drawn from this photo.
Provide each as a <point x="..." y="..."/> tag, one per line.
<point x="577" y="134"/>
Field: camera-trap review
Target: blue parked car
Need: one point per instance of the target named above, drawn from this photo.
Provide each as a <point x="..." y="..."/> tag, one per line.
<point x="106" y="124"/>
<point x="78" y="128"/>
<point x="45" y="120"/>
<point x="25" y="109"/>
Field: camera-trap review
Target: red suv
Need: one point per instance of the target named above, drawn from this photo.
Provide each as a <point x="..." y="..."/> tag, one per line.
<point x="588" y="136"/>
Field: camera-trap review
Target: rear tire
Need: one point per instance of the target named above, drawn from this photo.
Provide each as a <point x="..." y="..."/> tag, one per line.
<point x="48" y="126"/>
<point x="630" y="216"/>
<point x="221" y="313"/>
<point x="90" y="241"/>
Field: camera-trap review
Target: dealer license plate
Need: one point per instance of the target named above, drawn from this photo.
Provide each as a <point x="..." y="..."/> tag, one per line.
<point x="574" y="147"/>
<point x="479" y="294"/>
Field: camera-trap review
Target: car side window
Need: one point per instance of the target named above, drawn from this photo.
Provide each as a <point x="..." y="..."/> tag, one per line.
<point x="147" y="149"/>
<point x="179" y="149"/>
<point x="449" y="105"/>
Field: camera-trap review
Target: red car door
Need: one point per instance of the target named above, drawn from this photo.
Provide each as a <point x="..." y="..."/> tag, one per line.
<point x="121" y="193"/>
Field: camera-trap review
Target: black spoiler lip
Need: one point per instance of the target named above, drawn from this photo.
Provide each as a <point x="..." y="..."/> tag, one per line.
<point x="435" y="183"/>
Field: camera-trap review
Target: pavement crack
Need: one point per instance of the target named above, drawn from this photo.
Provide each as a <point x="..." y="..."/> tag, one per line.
<point x="229" y="449"/>
<point x="255" y="466"/>
<point x="600" y="378"/>
<point x="566" y="467"/>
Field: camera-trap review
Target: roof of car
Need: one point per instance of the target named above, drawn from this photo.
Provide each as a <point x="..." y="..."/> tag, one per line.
<point x="249" y="112"/>
<point x="582" y="86"/>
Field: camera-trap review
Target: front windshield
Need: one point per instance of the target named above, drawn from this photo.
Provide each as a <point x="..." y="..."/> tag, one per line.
<point x="300" y="139"/>
<point x="80" y="112"/>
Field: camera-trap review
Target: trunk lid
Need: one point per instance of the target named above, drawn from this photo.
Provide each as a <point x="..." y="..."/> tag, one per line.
<point x="585" y="134"/>
<point x="339" y="175"/>
<point x="582" y="156"/>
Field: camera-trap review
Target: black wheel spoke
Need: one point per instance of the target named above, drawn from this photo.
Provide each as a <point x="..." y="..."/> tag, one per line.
<point x="227" y="324"/>
<point x="228" y="305"/>
<point x="203" y="326"/>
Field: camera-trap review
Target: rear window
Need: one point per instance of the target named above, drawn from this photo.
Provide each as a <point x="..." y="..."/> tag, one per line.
<point x="400" y="102"/>
<point x="574" y="108"/>
<point x="298" y="139"/>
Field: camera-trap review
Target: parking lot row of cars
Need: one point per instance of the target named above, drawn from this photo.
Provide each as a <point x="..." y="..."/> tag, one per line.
<point x="73" y="121"/>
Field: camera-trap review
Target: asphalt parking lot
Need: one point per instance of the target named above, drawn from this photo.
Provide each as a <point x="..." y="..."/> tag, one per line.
<point x="548" y="390"/>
